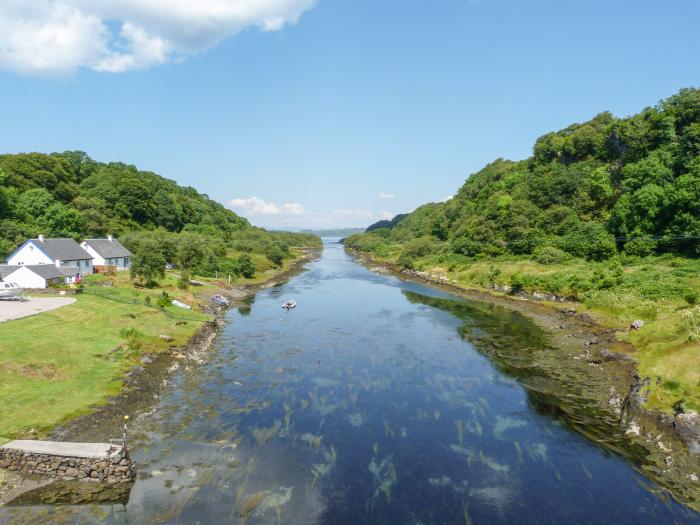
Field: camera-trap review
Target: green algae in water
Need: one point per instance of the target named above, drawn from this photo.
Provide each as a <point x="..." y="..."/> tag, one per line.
<point x="313" y="441"/>
<point x="263" y="435"/>
<point x="356" y="419"/>
<point x="504" y="424"/>
<point x="444" y="481"/>
<point x="498" y="468"/>
<point x="385" y="477"/>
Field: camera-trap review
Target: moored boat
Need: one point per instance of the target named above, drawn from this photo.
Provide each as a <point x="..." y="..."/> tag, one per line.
<point x="220" y="300"/>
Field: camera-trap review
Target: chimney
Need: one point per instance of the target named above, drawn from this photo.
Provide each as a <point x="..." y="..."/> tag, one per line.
<point x="41" y="238"/>
<point x="110" y="238"/>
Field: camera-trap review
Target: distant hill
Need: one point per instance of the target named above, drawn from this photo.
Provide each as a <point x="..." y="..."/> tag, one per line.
<point x="389" y="224"/>
<point x="336" y="232"/>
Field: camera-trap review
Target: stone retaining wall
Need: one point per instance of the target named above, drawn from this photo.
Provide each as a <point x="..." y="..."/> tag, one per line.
<point x="115" y="469"/>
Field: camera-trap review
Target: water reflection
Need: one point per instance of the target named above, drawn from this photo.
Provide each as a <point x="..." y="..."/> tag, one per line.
<point x="375" y="401"/>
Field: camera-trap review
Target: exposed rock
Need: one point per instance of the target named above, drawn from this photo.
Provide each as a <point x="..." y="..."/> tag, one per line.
<point x="688" y="428"/>
<point x="606" y="355"/>
<point x="637" y="324"/>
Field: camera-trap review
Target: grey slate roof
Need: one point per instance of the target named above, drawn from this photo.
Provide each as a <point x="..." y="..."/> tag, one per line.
<point x="108" y="249"/>
<point x="47" y="271"/>
<point x="62" y="249"/>
<point x="6" y="269"/>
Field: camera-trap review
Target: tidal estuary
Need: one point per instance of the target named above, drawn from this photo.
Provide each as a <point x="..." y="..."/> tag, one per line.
<point x="374" y="401"/>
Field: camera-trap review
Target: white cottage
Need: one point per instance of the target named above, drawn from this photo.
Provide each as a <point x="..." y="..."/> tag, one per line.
<point x="39" y="275"/>
<point x="61" y="253"/>
<point x="107" y="252"/>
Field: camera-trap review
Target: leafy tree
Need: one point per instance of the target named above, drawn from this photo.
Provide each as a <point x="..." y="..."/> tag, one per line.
<point x="62" y="221"/>
<point x="148" y="263"/>
<point x="190" y="253"/>
<point x="246" y="266"/>
<point x="275" y="254"/>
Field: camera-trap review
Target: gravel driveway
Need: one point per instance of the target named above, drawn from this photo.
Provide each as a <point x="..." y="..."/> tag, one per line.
<point x="10" y="310"/>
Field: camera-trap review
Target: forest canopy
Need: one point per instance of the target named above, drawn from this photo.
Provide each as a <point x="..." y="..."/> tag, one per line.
<point x="589" y="190"/>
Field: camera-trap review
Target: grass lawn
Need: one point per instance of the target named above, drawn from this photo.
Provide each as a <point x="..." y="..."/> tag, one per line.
<point x="56" y="365"/>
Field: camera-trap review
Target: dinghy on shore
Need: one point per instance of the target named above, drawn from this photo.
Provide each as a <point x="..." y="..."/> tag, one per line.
<point x="220" y="300"/>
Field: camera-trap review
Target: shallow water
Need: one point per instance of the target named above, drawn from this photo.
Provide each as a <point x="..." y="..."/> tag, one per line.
<point x="374" y="401"/>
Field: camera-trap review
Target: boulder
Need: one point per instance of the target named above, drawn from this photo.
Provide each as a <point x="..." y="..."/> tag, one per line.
<point x="636" y="325"/>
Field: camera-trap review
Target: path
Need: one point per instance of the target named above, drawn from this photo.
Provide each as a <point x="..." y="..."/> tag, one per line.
<point x="10" y="310"/>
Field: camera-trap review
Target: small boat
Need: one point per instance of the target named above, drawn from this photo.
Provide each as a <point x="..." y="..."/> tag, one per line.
<point x="289" y="305"/>
<point x="10" y="291"/>
<point x="181" y="304"/>
<point x="220" y="300"/>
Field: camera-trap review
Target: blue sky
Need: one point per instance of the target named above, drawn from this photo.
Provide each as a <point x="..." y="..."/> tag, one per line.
<point x="343" y="112"/>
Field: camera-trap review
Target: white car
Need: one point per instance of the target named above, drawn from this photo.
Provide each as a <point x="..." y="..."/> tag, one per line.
<point x="10" y="291"/>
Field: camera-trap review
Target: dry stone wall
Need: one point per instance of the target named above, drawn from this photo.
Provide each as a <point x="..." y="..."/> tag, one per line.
<point x="117" y="468"/>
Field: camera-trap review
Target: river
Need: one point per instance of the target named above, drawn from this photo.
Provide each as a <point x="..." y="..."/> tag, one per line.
<point x="374" y="401"/>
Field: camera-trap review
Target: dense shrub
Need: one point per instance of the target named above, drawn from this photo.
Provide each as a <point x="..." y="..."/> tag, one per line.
<point x="550" y="255"/>
<point x="640" y="247"/>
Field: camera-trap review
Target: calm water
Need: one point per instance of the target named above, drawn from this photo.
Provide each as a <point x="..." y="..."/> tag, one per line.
<point x="375" y="401"/>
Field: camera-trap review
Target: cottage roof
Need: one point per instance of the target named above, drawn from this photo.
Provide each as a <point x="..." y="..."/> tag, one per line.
<point x="108" y="248"/>
<point x="6" y="269"/>
<point x="62" y="249"/>
<point x="46" y="271"/>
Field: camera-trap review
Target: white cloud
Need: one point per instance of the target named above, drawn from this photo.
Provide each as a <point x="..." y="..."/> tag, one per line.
<point x="383" y="195"/>
<point x="448" y="198"/>
<point x="386" y="215"/>
<point x="61" y="36"/>
<point x="255" y="206"/>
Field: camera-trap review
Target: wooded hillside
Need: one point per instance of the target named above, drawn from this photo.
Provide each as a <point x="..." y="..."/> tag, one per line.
<point x="588" y="190"/>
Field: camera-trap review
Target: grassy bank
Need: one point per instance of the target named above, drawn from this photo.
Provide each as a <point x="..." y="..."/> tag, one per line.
<point x="56" y="365"/>
<point x="664" y="292"/>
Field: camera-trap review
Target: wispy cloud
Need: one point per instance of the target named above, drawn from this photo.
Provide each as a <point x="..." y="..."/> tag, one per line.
<point x="386" y="215"/>
<point x="383" y="195"/>
<point x="448" y="198"/>
<point x="49" y="37"/>
<point x="255" y="206"/>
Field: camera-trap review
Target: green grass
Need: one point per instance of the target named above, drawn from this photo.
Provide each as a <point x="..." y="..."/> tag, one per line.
<point x="58" y="364"/>
<point x="662" y="291"/>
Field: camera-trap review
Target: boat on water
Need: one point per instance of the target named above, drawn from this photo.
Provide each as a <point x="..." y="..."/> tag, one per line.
<point x="220" y="300"/>
<point x="10" y="291"/>
<point x="289" y="304"/>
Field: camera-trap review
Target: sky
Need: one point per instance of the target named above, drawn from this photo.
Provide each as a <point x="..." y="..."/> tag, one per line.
<point x="328" y="113"/>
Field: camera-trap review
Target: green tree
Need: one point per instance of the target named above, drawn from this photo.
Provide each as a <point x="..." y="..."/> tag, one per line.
<point x="148" y="263"/>
<point x="191" y="252"/>
<point x="246" y="266"/>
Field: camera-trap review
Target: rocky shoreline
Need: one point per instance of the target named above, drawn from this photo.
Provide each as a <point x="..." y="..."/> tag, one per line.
<point x="670" y="446"/>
